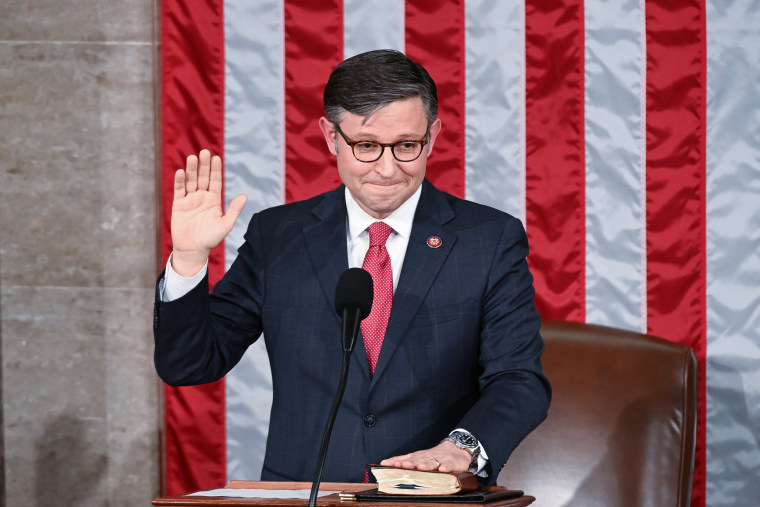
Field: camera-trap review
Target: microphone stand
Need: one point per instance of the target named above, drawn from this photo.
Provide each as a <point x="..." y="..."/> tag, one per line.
<point x="350" y="330"/>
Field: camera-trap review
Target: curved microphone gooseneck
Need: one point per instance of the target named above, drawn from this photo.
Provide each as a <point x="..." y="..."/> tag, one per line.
<point x="353" y="302"/>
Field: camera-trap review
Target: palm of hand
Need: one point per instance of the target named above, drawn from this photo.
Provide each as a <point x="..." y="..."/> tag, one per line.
<point x="197" y="223"/>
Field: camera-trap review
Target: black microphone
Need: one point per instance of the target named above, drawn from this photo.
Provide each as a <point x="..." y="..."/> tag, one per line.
<point x="353" y="302"/>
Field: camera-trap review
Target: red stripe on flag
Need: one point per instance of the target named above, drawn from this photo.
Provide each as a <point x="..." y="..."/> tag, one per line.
<point x="435" y="39"/>
<point x="313" y="47"/>
<point x="192" y="117"/>
<point x="675" y="186"/>
<point x="555" y="160"/>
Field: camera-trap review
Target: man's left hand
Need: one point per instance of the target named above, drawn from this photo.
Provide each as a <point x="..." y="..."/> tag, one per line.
<point x="444" y="457"/>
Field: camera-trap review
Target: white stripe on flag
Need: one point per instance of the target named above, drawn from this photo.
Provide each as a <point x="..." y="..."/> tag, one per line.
<point x="614" y="68"/>
<point x="733" y="261"/>
<point x="372" y="24"/>
<point x="495" y="105"/>
<point x="254" y="165"/>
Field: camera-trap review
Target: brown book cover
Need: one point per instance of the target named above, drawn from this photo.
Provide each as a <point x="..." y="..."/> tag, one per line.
<point x="401" y="481"/>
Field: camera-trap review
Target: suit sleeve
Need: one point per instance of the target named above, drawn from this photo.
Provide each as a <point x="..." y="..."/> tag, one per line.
<point x="514" y="394"/>
<point x="199" y="337"/>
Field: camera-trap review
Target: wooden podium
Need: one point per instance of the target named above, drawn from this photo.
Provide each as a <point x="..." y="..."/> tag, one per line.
<point x="332" y="500"/>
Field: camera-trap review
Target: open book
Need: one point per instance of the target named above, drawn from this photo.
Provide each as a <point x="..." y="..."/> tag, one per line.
<point x="400" y="481"/>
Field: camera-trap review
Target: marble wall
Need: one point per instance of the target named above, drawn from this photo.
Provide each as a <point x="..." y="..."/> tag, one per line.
<point x="78" y="252"/>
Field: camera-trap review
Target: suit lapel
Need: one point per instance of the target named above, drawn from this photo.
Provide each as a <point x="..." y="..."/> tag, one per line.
<point x="421" y="267"/>
<point x="325" y="241"/>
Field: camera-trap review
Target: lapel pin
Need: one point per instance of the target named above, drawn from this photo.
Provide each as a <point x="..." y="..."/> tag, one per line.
<point x="434" y="242"/>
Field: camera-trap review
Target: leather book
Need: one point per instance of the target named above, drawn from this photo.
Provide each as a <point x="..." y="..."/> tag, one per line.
<point x="401" y="481"/>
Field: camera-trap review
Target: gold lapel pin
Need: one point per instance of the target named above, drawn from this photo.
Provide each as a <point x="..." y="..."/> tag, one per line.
<point x="434" y="242"/>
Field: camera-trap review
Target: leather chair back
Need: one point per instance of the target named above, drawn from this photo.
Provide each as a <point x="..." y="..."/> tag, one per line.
<point x="621" y="428"/>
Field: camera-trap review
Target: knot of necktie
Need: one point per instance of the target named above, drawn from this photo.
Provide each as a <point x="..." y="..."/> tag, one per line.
<point x="378" y="233"/>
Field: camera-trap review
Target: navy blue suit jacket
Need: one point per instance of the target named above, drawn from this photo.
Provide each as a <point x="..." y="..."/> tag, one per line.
<point x="462" y="347"/>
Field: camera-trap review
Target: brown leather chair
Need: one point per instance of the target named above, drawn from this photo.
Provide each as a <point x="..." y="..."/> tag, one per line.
<point x="622" y="423"/>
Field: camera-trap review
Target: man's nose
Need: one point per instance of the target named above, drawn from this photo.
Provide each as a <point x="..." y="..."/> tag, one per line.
<point x="386" y="164"/>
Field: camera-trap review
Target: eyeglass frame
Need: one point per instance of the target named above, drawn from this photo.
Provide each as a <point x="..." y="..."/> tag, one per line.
<point x="392" y="146"/>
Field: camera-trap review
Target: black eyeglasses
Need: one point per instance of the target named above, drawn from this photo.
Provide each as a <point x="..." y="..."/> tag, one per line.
<point x="370" y="151"/>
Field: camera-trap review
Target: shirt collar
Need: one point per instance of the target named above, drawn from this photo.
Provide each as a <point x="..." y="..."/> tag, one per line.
<point x="400" y="220"/>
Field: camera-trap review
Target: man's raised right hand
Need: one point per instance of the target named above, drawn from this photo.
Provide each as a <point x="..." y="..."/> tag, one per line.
<point x="198" y="220"/>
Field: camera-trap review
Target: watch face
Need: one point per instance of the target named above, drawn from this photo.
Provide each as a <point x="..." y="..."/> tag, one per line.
<point x="467" y="440"/>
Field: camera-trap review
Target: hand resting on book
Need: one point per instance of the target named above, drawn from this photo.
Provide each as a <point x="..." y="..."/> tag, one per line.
<point x="444" y="457"/>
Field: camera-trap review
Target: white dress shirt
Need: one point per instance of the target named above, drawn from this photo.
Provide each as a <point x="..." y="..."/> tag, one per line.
<point x="357" y="235"/>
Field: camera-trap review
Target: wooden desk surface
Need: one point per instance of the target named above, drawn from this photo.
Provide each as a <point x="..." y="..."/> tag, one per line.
<point x="332" y="500"/>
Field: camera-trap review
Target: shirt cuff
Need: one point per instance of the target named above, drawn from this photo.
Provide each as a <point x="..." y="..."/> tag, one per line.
<point x="174" y="286"/>
<point x="478" y="468"/>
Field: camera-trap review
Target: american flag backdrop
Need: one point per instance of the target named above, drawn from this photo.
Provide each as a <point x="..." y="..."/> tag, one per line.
<point x="625" y="134"/>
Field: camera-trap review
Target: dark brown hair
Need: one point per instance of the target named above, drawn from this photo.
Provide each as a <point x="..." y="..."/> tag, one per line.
<point x="368" y="81"/>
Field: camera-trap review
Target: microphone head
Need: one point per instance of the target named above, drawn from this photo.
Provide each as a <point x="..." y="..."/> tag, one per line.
<point x="354" y="290"/>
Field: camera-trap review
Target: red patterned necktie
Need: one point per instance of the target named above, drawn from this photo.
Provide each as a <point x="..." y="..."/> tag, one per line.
<point x="378" y="264"/>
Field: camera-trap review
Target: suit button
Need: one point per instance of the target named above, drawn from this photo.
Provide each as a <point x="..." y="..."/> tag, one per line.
<point x="370" y="420"/>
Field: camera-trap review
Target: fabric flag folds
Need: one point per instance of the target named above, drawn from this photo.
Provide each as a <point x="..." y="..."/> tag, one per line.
<point x="625" y="136"/>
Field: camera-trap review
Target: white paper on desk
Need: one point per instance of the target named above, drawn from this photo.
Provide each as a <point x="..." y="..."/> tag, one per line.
<point x="299" y="494"/>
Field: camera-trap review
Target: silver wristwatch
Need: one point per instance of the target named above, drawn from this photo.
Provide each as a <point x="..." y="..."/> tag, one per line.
<point x="466" y="441"/>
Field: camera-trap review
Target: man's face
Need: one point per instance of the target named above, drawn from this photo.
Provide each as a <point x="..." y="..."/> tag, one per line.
<point x="382" y="186"/>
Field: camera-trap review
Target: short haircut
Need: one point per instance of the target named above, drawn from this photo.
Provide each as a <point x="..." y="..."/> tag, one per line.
<point x="368" y="81"/>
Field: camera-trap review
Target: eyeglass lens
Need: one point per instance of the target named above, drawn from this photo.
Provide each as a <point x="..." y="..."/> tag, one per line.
<point x="404" y="151"/>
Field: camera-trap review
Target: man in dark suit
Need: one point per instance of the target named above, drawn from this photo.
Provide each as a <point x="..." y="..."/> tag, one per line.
<point x="449" y="359"/>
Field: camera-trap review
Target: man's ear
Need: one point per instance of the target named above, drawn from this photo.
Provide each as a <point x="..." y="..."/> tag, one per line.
<point x="328" y="130"/>
<point x="435" y="129"/>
